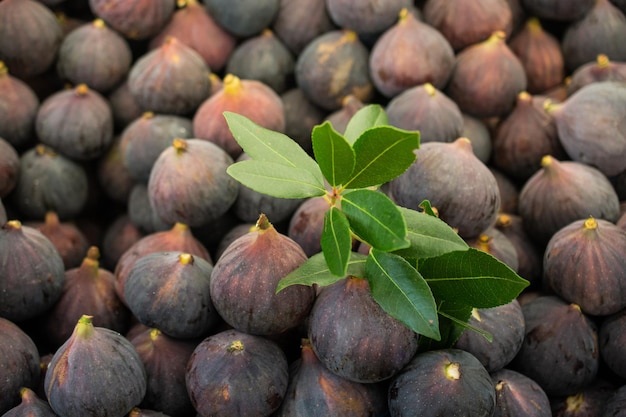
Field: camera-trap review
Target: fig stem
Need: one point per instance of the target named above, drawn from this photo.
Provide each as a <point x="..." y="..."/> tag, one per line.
<point x="236" y="346"/>
<point x="263" y="223"/>
<point x="591" y="223"/>
<point x="452" y="371"/>
<point x="84" y="328"/>
<point x="186" y="258"/>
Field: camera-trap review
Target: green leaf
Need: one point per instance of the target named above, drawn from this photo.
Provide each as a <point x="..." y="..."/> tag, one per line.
<point x="450" y="315"/>
<point x="276" y="180"/>
<point x="382" y="154"/>
<point x="464" y="325"/>
<point x="429" y="236"/>
<point x="375" y="219"/>
<point x="402" y="292"/>
<point x="471" y="277"/>
<point x="333" y="153"/>
<point x="315" y="271"/>
<point x="262" y="144"/>
<point x="369" y="116"/>
<point x="336" y="241"/>
<point x="428" y="209"/>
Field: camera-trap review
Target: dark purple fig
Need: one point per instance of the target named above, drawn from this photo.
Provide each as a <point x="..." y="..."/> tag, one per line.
<point x="114" y="178"/>
<point x="301" y="116"/>
<point x="528" y="255"/>
<point x="178" y="238"/>
<point x="621" y="4"/>
<point x="244" y="293"/>
<point x="172" y="79"/>
<point x="445" y="382"/>
<point x="95" y="372"/>
<point x="31" y="272"/>
<point x="29" y="37"/>
<point x="561" y="192"/>
<point x="428" y="110"/>
<point x="560" y="349"/>
<point x="264" y="58"/>
<point x="306" y="224"/>
<point x="465" y="23"/>
<point x="192" y="25"/>
<point x="602" y="30"/>
<point x="478" y="133"/>
<point x="165" y="360"/>
<point x="232" y="373"/>
<point x="524" y="136"/>
<point x="3" y="214"/>
<point x="118" y="237"/>
<point x="584" y="264"/>
<point x="96" y="55"/>
<point x="540" y="54"/>
<point x="141" y="212"/>
<point x="19" y="361"/>
<point x="9" y="167"/>
<point x="487" y="78"/>
<point x="450" y="175"/>
<point x="67" y="238"/>
<point x="562" y="10"/>
<point x="519" y="396"/>
<point x="506" y="325"/>
<point x="602" y="69"/>
<point x="146" y="137"/>
<point x="408" y="54"/>
<point x="616" y="404"/>
<point x="332" y="66"/>
<point x="519" y="15"/>
<point x="354" y="337"/>
<point x="591" y="127"/>
<point x="189" y="184"/>
<point x="339" y="118"/>
<point x="590" y="401"/>
<point x="298" y="23"/>
<point x="50" y="182"/>
<point x="368" y="17"/>
<point x="612" y="341"/>
<point x="18" y="109"/>
<point x="498" y="245"/>
<point x="246" y="19"/>
<point x="232" y="235"/>
<point x="136" y="19"/>
<point x="124" y="106"/>
<point x="170" y="291"/>
<point x="250" y="98"/>
<point x="76" y="122"/>
<point x="314" y="391"/>
<point x="31" y="405"/>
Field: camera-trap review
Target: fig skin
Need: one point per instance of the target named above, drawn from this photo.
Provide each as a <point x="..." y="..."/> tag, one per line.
<point x="124" y="106"/>
<point x="113" y="176"/>
<point x="478" y="133"/>
<point x="298" y="23"/>
<point x="307" y="223"/>
<point x="410" y="53"/>
<point x="247" y="19"/>
<point x="301" y="116"/>
<point x="9" y="167"/>
<point x="18" y="109"/>
<point x="530" y="260"/>
<point x="339" y="118"/>
<point x="518" y="395"/>
<point x="118" y="237"/>
<point x="96" y="55"/>
<point x="31" y="405"/>
<point x="495" y="243"/>
<point x="612" y="340"/>
<point x="560" y="10"/>
<point x="139" y="19"/>
<point x="602" y="69"/>
<point x="141" y="212"/>
<point x="589" y="401"/>
<point x="3" y="213"/>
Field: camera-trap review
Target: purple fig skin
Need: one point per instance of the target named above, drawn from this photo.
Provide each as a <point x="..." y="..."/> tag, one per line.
<point x="495" y="243"/>
<point x="124" y="106"/>
<point x="298" y="23"/>
<point x="366" y="17"/>
<point x="562" y="10"/>
<point x="307" y="223"/>
<point x="589" y="401"/>
<point x="18" y="109"/>
<point x="529" y="258"/>
<point x="602" y="69"/>
<point x="478" y="133"/>
<point x="9" y="167"/>
<point x="137" y="20"/>
<point x="31" y="405"/>
<point x="118" y="237"/>
<point x="301" y="116"/>
<point x="113" y="176"/>
<point x="518" y="395"/>
<point x="613" y="342"/>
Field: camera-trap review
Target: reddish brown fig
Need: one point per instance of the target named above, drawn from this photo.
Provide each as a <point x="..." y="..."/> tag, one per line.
<point x="135" y="19"/>
<point x="31" y="405"/>
<point x="18" y="109"/>
<point x="9" y="167"/>
<point x="307" y="223"/>
<point x="369" y="17"/>
<point x="113" y="176"/>
<point x="602" y="69"/>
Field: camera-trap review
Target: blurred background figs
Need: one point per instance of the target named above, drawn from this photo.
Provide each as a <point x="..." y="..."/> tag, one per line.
<point x="299" y="22"/>
<point x="9" y="167"/>
<point x="564" y="10"/>
<point x="245" y="18"/>
<point x="135" y="19"/>
<point x="18" y="108"/>
<point x="602" y="69"/>
<point x="366" y="17"/>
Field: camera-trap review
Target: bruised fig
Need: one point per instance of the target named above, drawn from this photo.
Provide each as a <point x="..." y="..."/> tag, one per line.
<point x="18" y="109"/>
<point x="583" y="263"/>
<point x="95" y="372"/>
<point x="244" y="280"/>
<point x="487" y="78"/>
<point x="519" y="396"/>
<point x="410" y="53"/>
<point x="9" y="167"/>
<point x="602" y="69"/>
<point x="250" y="98"/>
<point x="136" y="19"/>
<point x="31" y="405"/>
<point x="299" y="22"/>
<point x="247" y="18"/>
<point x="561" y="10"/>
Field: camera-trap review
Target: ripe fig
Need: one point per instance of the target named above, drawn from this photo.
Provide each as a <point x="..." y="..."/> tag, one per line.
<point x="487" y="91"/>
<point x="301" y="116"/>
<point x="31" y="405"/>
<point x="367" y="17"/>
<point x="560" y="10"/>
<point x="18" y="109"/>
<point x="124" y="106"/>
<point x="498" y="245"/>
<point x="232" y="235"/>
<point x="307" y="223"/>
<point x="602" y="69"/>
<point x="244" y="293"/>
<point x="519" y="396"/>
<point x="616" y="403"/>
<point x="612" y="340"/>
<point x="118" y="237"/>
<point x="298" y="23"/>
<point x="141" y="212"/>
<point x="136" y="19"/>
<point x="113" y="176"/>
<point x="246" y="19"/>
<point x="339" y="118"/>
<point x="95" y="354"/>
<point x="529" y="258"/>
<point x="509" y="193"/>
<point x="589" y="401"/>
<point x="478" y="133"/>
<point x="9" y="167"/>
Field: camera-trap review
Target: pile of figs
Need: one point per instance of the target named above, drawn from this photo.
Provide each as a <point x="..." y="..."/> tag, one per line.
<point x="137" y="278"/>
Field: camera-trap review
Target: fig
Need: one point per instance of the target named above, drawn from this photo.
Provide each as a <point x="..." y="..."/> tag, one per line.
<point x="354" y="337"/>
<point x="306" y="224"/>
<point x="31" y="272"/>
<point x="194" y="26"/>
<point x="561" y="192"/>
<point x="18" y="109"/>
<point x="602" y="69"/>
<point x="450" y="175"/>
<point x="244" y="280"/>
<point x="19" y="361"/>
<point x="410" y="53"/>
<point x="428" y="110"/>
<point x="247" y="19"/>
<point x="76" y="122"/>
<point x="524" y="136"/>
<point x="49" y="182"/>
<point x="172" y="79"/>
<point x="118" y="237"/>
<point x="124" y="106"/>
<point x="170" y="291"/>
<point x="560" y="10"/>
<point x="96" y="55"/>
<point x="616" y="404"/>
<point x="145" y="138"/>
<point x="232" y="235"/>
<point x="29" y="37"/>
<point x="250" y="98"/>
<point x="113" y="177"/>
<point x="315" y="391"/>
<point x="301" y="116"/>
<point x="519" y="396"/>
<point x="540" y="54"/>
<point x="450" y="382"/>
<point x="339" y="118"/>
<point x="487" y="90"/>
<point x="189" y="184"/>
<point x="141" y="212"/>
<point x="95" y="354"/>
<point x="588" y="401"/>
<point x="333" y="65"/>
<point x="611" y="341"/>
<point x="298" y="23"/>
<point x="232" y="373"/>
<point x="466" y="23"/>
<point x="602" y="30"/>
<point x="498" y="245"/>
<point x="367" y="17"/>
<point x="9" y="167"/>
<point x="560" y="348"/>
<point x="591" y="128"/>
<point x="530" y="260"/>
<point x="583" y="264"/>
<point x="31" y="405"/>
<point x="136" y="19"/>
<point x="3" y="213"/>
<point x="478" y="133"/>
